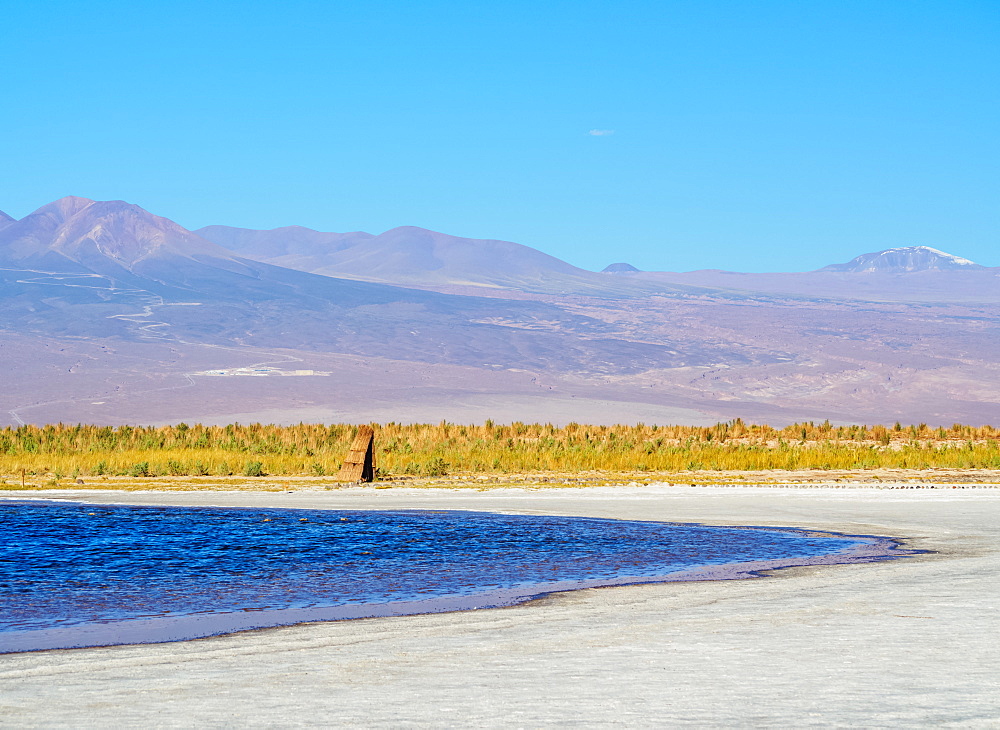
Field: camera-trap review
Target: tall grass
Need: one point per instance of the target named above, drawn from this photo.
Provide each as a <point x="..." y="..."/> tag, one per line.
<point x="254" y="450"/>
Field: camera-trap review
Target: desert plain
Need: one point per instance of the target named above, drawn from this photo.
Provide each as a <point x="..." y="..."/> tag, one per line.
<point x="903" y="643"/>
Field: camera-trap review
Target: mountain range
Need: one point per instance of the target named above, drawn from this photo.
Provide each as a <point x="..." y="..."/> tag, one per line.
<point x="107" y="257"/>
<point x="103" y="301"/>
<point x="413" y="256"/>
<point x="405" y="255"/>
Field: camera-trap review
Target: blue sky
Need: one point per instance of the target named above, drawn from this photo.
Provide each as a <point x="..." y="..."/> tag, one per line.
<point x="753" y="136"/>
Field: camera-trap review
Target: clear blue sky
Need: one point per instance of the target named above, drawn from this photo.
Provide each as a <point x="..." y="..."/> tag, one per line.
<point x="754" y="136"/>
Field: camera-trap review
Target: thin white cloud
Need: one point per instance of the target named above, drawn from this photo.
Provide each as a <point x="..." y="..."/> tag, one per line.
<point x="601" y="132"/>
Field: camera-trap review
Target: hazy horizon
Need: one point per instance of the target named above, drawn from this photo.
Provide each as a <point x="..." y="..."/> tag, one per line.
<point x="376" y="234"/>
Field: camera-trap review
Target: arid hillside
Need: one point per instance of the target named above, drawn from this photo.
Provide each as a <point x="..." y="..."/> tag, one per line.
<point x="110" y="314"/>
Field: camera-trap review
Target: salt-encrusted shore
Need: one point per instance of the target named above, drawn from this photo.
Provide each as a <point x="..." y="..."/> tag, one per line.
<point x="903" y="643"/>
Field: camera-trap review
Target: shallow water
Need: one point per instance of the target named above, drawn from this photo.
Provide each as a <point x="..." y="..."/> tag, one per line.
<point x="80" y="574"/>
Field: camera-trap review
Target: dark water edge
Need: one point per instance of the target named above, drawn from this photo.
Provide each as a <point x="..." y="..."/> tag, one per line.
<point x="203" y="624"/>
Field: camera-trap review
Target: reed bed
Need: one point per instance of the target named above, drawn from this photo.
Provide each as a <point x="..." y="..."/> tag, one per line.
<point x="63" y="450"/>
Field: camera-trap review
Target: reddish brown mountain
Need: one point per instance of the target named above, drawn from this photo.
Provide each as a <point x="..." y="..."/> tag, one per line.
<point x="112" y="237"/>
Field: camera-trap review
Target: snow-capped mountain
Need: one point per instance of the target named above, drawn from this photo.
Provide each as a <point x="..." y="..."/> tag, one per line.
<point x="906" y="259"/>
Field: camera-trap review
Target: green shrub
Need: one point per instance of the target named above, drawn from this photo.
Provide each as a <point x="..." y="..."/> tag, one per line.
<point x="254" y="469"/>
<point x="141" y="469"/>
<point x="435" y="467"/>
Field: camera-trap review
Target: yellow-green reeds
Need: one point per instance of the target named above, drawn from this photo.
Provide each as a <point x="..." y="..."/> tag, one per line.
<point x="431" y="450"/>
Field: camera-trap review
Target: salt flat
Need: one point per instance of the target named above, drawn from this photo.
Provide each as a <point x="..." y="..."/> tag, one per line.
<point x="898" y="644"/>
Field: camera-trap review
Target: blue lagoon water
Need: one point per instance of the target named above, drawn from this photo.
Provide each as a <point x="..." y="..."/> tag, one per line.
<point x="76" y="574"/>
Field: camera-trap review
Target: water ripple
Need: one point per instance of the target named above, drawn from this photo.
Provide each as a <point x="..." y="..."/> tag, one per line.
<point x="66" y="565"/>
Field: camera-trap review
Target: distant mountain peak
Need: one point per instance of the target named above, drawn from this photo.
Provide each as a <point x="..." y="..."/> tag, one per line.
<point x="903" y="260"/>
<point x="98" y="234"/>
<point x="5" y="220"/>
<point x="619" y="268"/>
<point x="63" y="209"/>
<point x="404" y="255"/>
<point x="121" y="231"/>
<point x="412" y="229"/>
